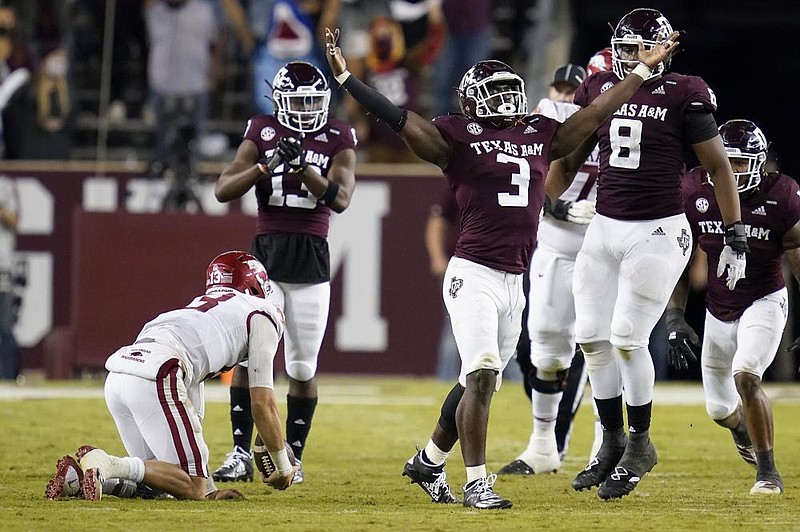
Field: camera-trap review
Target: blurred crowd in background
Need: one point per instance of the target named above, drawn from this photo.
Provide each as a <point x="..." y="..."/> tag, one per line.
<point x="170" y="82"/>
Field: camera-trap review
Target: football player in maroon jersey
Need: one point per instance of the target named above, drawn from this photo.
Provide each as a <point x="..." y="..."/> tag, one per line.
<point x="639" y="242"/>
<point x="301" y="165"/>
<point x="743" y="327"/>
<point x="495" y="158"/>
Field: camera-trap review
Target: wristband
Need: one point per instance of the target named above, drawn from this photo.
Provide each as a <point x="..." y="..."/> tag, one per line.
<point x="642" y="70"/>
<point x="341" y="78"/>
<point x="330" y="193"/>
<point x="281" y="461"/>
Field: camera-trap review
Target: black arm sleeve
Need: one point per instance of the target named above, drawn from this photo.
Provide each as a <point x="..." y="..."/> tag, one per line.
<point x="375" y="103"/>
<point x="700" y="126"/>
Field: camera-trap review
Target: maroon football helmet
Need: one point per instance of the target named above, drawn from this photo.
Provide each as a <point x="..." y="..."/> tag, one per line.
<point x="644" y="25"/>
<point x="301" y="96"/>
<point x="240" y="271"/>
<point x="745" y="140"/>
<point x="491" y="91"/>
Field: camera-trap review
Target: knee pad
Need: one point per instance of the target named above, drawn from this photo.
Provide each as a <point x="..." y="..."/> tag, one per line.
<point x="301" y="371"/>
<point x="598" y="354"/>
<point x="549" y="386"/>
<point x="447" y="418"/>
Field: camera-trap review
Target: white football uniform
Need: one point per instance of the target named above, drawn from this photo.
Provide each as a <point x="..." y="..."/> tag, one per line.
<point x="154" y="389"/>
<point x="551" y="321"/>
<point x="746" y="345"/>
<point x="472" y="293"/>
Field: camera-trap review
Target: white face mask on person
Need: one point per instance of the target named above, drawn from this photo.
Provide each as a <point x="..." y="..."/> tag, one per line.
<point x="56" y="67"/>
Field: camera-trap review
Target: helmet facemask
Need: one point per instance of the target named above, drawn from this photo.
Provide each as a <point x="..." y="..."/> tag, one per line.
<point x="304" y="110"/>
<point x="750" y="178"/>
<point x="499" y="99"/>
<point x="744" y="141"/>
<point x="646" y="26"/>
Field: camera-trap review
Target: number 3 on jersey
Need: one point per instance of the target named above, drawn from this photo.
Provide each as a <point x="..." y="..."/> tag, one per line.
<point x="626" y="143"/>
<point x="521" y="180"/>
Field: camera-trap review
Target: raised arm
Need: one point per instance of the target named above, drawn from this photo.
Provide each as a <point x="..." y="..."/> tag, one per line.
<point x="420" y="134"/>
<point x="562" y="171"/>
<point x="580" y="125"/>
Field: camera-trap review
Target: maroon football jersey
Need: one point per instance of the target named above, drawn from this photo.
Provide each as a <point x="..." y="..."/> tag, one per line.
<point x="497" y="175"/>
<point x="768" y="213"/>
<point x="284" y="204"/>
<point x="642" y="145"/>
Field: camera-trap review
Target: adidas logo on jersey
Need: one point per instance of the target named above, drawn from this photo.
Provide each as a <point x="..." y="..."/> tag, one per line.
<point x="658" y="232"/>
<point x="659" y="90"/>
<point x="761" y="211"/>
<point x="529" y="130"/>
<point x="322" y="137"/>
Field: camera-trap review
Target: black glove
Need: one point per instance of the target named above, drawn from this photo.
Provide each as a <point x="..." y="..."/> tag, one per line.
<point x="681" y="338"/>
<point x="268" y="163"/>
<point x="557" y="210"/>
<point x="291" y="152"/>
<point x="736" y="237"/>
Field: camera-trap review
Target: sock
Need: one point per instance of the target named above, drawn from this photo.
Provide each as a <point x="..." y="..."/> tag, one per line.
<point x="476" y="472"/>
<point x="610" y="412"/>
<point x="432" y="455"/>
<point x="766" y="463"/>
<point x="545" y="411"/>
<point x="639" y="417"/>
<point x="241" y="418"/>
<point x="299" y="413"/>
<point x="135" y="467"/>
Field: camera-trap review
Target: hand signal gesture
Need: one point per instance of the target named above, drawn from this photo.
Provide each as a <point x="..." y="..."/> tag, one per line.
<point x="661" y="52"/>
<point x="333" y="52"/>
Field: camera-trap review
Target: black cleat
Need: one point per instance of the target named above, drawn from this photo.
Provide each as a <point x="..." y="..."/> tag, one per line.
<point x="517" y="467"/>
<point x="432" y="479"/>
<point x="638" y="459"/>
<point x="479" y="494"/>
<point x="743" y="445"/>
<point x="769" y="484"/>
<point x="238" y="466"/>
<point x="603" y="463"/>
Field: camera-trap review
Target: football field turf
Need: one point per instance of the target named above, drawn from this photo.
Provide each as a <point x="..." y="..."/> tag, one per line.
<point x="364" y="430"/>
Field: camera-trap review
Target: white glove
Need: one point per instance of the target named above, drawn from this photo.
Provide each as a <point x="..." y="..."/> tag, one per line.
<point x="735" y="263"/>
<point x="581" y="212"/>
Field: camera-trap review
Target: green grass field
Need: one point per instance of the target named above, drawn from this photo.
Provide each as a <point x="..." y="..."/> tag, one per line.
<point x="364" y="430"/>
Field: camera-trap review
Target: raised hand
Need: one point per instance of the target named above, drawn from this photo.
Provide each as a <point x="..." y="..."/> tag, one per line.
<point x="333" y="53"/>
<point x="661" y="52"/>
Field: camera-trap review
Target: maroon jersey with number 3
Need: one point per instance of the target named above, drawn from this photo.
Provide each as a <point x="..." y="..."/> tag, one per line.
<point x="284" y="204"/>
<point x="642" y="145"/>
<point x="768" y="213"/>
<point x="497" y="175"/>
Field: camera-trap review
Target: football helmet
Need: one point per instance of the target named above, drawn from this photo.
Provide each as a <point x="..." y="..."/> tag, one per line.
<point x="745" y="140"/>
<point x="491" y="91"/>
<point x="240" y="271"/>
<point x="302" y="96"/>
<point x="644" y="25"/>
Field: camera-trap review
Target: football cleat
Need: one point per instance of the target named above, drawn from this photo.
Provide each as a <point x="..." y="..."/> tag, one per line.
<point x="299" y="478"/>
<point x="97" y="466"/>
<point x="517" y="467"/>
<point x="637" y="461"/>
<point x="479" y="494"/>
<point x="603" y="463"/>
<point x="748" y="454"/>
<point x="67" y="480"/>
<point x="238" y="466"/>
<point x="432" y="479"/>
<point x="771" y="486"/>
<point x="743" y="444"/>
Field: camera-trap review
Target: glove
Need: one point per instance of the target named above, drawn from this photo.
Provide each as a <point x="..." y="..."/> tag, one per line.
<point x="581" y="212"/>
<point x="736" y="237"/>
<point x="267" y="164"/>
<point x="735" y="263"/>
<point x="682" y="339"/>
<point x="291" y="152"/>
